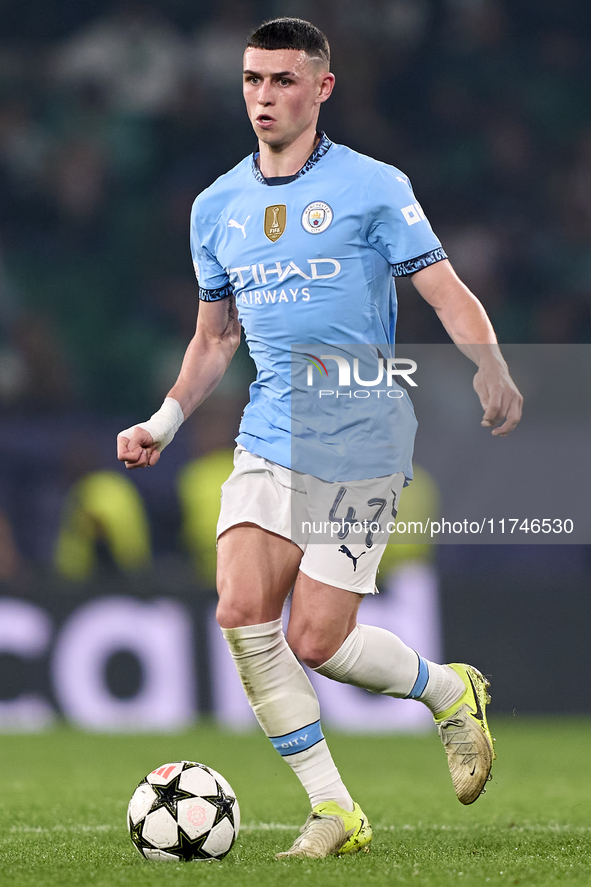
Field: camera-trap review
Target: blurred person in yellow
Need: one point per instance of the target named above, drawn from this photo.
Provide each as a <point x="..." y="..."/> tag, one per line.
<point x="420" y="502"/>
<point x="199" y="482"/>
<point x="103" y="518"/>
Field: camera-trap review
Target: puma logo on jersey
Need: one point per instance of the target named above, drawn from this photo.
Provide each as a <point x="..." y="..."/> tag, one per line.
<point x="344" y="550"/>
<point x="234" y="224"/>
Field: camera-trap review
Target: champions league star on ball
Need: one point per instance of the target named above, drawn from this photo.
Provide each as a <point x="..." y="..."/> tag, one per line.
<point x="183" y="811"/>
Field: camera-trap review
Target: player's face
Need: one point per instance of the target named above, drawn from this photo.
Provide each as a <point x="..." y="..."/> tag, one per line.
<point x="283" y="91"/>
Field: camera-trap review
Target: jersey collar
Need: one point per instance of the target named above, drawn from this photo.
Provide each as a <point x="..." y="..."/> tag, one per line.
<point x="319" y="151"/>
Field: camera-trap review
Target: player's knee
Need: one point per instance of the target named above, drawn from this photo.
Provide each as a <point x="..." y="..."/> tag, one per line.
<point x="233" y="614"/>
<point x="235" y="610"/>
<point x="314" y="655"/>
<point x="310" y="648"/>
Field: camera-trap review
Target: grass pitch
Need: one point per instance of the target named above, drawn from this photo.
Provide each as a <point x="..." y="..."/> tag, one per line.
<point x="65" y="794"/>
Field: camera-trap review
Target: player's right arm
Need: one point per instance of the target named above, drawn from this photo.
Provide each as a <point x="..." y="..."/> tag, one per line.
<point x="206" y="359"/>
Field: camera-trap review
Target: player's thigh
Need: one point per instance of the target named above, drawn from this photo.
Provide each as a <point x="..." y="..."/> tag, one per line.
<point x="340" y="562"/>
<point x="256" y="571"/>
<point x="321" y="618"/>
<point x="257" y="562"/>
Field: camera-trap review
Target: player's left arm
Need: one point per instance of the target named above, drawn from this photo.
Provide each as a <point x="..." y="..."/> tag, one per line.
<point x="466" y="321"/>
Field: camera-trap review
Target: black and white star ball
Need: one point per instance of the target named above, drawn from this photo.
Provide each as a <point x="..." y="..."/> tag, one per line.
<point x="183" y="810"/>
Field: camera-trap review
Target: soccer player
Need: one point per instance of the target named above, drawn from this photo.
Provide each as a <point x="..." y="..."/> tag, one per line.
<point x="299" y="244"/>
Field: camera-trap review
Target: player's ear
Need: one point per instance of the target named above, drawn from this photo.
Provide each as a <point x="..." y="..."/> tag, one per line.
<point x="326" y="86"/>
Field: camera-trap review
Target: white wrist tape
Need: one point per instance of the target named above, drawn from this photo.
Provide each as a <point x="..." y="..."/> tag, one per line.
<point x="163" y="425"/>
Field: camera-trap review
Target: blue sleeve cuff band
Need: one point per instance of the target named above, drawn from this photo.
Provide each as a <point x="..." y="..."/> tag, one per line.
<point x="215" y="295"/>
<point x="421" y="681"/>
<point x="404" y="269"/>
<point x="299" y="740"/>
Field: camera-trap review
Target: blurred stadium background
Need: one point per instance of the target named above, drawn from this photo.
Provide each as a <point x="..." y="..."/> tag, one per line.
<point x="113" y="116"/>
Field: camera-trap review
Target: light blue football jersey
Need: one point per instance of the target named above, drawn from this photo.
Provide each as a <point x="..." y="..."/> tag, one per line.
<point x="311" y="263"/>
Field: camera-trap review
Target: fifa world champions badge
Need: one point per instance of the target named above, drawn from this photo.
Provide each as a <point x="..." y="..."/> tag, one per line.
<point x="317" y="217"/>
<point x="275" y="221"/>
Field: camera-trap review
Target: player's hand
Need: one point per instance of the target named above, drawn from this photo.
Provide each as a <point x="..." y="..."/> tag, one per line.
<point x="500" y="398"/>
<point x="136" y="448"/>
<point x="140" y="446"/>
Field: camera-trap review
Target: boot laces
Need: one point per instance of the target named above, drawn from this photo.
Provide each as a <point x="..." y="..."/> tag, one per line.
<point x="456" y="736"/>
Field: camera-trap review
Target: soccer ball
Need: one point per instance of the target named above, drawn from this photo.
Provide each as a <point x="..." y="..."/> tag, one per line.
<point x="184" y="811"/>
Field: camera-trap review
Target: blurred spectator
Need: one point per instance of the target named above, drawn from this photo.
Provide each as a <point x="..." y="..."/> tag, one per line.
<point x="200" y="479"/>
<point x="512" y="154"/>
<point x="474" y="26"/>
<point x="45" y="377"/>
<point x="23" y="142"/>
<point x="133" y="53"/>
<point x="199" y="484"/>
<point x="77" y="183"/>
<point x="104" y="525"/>
<point x="575" y="190"/>
<point x="217" y="50"/>
<point x="10" y="560"/>
<point x="562" y="319"/>
<point x="420" y="501"/>
<point x="12" y="368"/>
<point x="33" y="371"/>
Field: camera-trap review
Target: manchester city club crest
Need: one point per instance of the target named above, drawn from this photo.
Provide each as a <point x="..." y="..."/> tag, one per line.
<point x="275" y="221"/>
<point x="317" y="217"/>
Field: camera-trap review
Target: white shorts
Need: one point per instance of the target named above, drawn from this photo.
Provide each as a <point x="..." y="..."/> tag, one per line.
<point x="340" y="527"/>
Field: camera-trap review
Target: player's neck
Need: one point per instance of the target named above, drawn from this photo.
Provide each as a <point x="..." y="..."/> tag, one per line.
<point x="286" y="160"/>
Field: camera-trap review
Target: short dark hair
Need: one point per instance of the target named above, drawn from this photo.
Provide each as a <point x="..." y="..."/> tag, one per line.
<point x="291" y="33"/>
